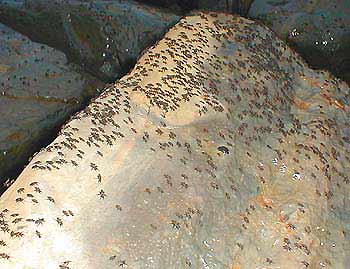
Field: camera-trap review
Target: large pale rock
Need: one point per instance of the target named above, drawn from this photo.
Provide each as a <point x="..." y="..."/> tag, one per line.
<point x="319" y="30"/>
<point x="38" y="92"/>
<point x="221" y="149"/>
<point x="106" y="37"/>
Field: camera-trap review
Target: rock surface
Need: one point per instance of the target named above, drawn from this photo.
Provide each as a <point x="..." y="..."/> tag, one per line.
<point x="38" y="91"/>
<point x="221" y="149"/>
<point x="104" y="36"/>
<point x="319" y="29"/>
<point x="229" y="6"/>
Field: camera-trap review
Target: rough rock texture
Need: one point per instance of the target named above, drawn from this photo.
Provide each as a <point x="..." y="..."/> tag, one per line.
<point x="104" y="36"/>
<point x="319" y="29"/>
<point x="229" y="6"/>
<point x="221" y="149"/>
<point x="38" y="91"/>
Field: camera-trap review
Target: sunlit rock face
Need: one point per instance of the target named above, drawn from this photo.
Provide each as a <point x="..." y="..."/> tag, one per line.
<point x="104" y="36"/>
<point x="220" y="149"/>
<point x="318" y="30"/>
<point x="38" y="92"/>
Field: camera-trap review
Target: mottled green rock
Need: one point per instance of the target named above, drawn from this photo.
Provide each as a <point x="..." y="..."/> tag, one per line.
<point x="220" y="149"/>
<point x="105" y="37"/>
<point x="319" y="30"/>
<point x="38" y="91"/>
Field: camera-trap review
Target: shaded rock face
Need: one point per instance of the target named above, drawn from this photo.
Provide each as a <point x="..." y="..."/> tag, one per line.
<point x="318" y="30"/>
<point x="38" y="91"/>
<point x="229" y="6"/>
<point x="220" y="149"/>
<point x="106" y="37"/>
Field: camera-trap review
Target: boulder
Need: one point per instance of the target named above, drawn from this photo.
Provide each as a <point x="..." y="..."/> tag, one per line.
<point x="318" y="30"/>
<point x="221" y="148"/>
<point x="106" y="37"/>
<point x="38" y="91"/>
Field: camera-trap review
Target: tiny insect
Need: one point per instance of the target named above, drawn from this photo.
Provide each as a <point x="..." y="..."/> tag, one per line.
<point x="38" y="233"/>
<point x="50" y="199"/>
<point x="214" y="185"/>
<point x="102" y="194"/>
<point x="168" y="181"/>
<point x="37" y="189"/>
<point x="112" y="257"/>
<point x="268" y="260"/>
<point x="223" y="149"/>
<point x="19" y="200"/>
<point x="198" y="170"/>
<point x="17" y="220"/>
<point x="159" y="131"/>
<point x="4" y="256"/>
<point x="305" y="263"/>
<point x="93" y="167"/>
<point x="20" y="190"/>
<point x="118" y="207"/>
<point x="184" y="184"/>
<point x="39" y="221"/>
<point x="16" y="234"/>
<point x="175" y="224"/>
<point x="188" y="261"/>
<point x="65" y="213"/>
<point x="34" y="183"/>
<point x="122" y="263"/>
<point x="148" y="190"/>
<point x="64" y="265"/>
<point x="59" y="221"/>
<point x="296" y="176"/>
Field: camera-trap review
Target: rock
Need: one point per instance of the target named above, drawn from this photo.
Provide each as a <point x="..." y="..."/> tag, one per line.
<point x="221" y="148"/>
<point x="242" y="6"/>
<point x="317" y="29"/>
<point x="104" y="36"/>
<point x="181" y="6"/>
<point x="229" y="6"/>
<point x="38" y="91"/>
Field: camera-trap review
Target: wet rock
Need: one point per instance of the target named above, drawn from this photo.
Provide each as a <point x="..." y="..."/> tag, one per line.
<point x="318" y="30"/>
<point x="106" y="37"/>
<point x="38" y="91"/>
<point x="136" y="179"/>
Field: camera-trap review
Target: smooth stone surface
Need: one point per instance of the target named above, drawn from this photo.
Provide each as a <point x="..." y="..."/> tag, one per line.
<point x="106" y="37"/>
<point x="220" y="149"/>
<point x="319" y="30"/>
<point x="38" y="91"/>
